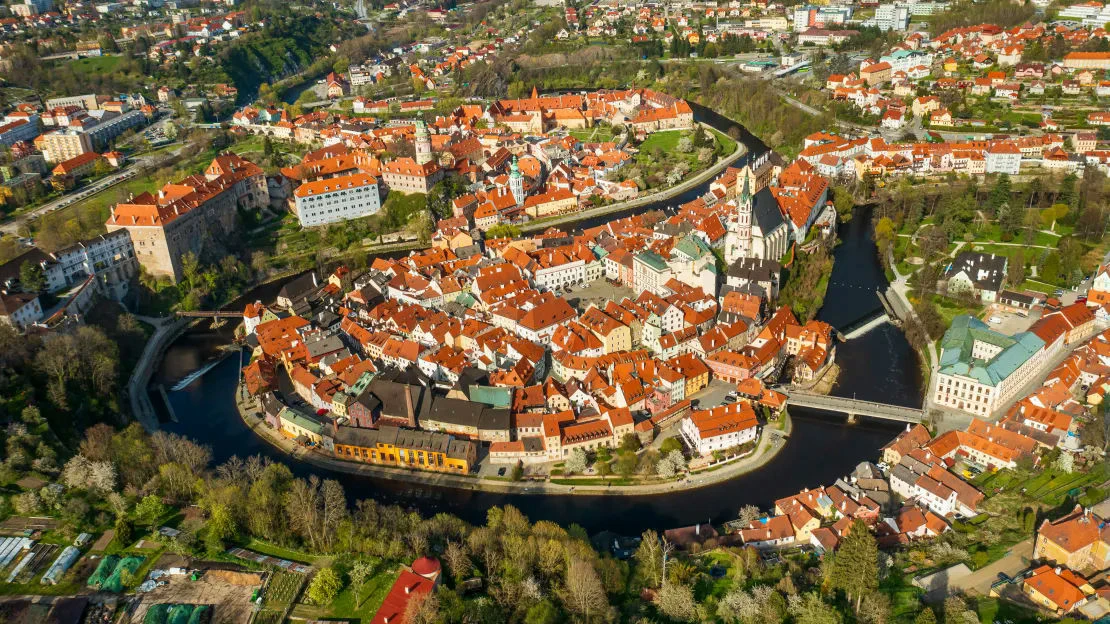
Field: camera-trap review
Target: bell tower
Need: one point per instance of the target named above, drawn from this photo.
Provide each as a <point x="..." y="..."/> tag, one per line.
<point x="423" y="144"/>
<point x="738" y="240"/>
<point x="516" y="182"/>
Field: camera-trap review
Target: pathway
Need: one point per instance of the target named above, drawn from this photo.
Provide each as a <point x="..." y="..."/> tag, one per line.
<point x="164" y="333"/>
<point x="769" y="446"/>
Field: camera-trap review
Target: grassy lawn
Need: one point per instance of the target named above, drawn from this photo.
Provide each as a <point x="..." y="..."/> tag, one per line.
<point x="280" y="552"/>
<point x="1042" y="287"/>
<point x="950" y="309"/>
<point x="597" y="134"/>
<point x="993" y="233"/>
<point x="370" y="598"/>
<point x="666" y="140"/>
<point x="96" y="64"/>
<point x="995" y="610"/>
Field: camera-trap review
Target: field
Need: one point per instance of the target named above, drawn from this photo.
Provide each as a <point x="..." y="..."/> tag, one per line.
<point x="283" y="588"/>
<point x="230" y="602"/>
<point x="96" y="64"/>
<point x="344" y="607"/>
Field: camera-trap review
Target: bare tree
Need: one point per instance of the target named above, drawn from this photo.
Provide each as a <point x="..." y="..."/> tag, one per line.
<point x="677" y="603"/>
<point x="458" y="562"/>
<point x="650" y="557"/>
<point x="748" y="514"/>
<point x="422" y="609"/>
<point x="334" y="510"/>
<point x="584" y="592"/>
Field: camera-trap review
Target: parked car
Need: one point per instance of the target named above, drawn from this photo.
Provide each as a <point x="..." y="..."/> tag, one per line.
<point x="995" y="320"/>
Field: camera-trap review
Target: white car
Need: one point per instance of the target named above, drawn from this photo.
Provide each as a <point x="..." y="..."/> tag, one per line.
<point x="995" y="320"/>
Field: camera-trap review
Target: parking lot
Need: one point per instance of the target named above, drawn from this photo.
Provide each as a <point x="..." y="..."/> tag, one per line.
<point x="1010" y="323"/>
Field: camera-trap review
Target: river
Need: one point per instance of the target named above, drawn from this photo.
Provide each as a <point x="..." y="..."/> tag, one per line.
<point x="879" y="365"/>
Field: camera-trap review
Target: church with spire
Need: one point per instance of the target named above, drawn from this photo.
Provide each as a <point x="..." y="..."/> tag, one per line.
<point x="755" y="225"/>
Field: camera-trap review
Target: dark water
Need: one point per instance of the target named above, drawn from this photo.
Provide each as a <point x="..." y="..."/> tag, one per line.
<point x="878" y="366"/>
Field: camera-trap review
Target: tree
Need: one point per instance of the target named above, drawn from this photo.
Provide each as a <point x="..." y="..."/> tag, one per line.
<point x="677" y="603"/>
<point x="810" y="609"/>
<point x="518" y="471"/>
<point x="1066" y="462"/>
<point x="503" y="230"/>
<point x="324" y="587"/>
<point x="844" y="202"/>
<point x="649" y="558"/>
<point x="150" y="510"/>
<point x="855" y="567"/>
<point x="664" y="468"/>
<point x="630" y="442"/>
<point x="1015" y="270"/>
<point x="422" y="609"/>
<point x="576" y="463"/>
<point x="957" y="612"/>
<point x="359" y="573"/>
<point x="543" y="612"/>
<point x="31" y="277"/>
<point x="748" y="514"/>
<point x="925" y="616"/>
<point x="584" y="593"/>
<point x="884" y="235"/>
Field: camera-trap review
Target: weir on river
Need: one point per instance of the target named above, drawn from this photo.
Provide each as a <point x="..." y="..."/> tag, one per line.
<point x="878" y="366"/>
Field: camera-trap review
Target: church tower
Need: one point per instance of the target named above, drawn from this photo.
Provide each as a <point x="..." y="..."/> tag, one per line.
<point x="738" y="240"/>
<point x="423" y="144"/>
<point x="516" y="182"/>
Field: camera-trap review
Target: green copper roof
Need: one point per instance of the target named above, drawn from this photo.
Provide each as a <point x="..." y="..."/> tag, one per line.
<point x="958" y="345"/>
<point x="653" y="260"/>
<point x="301" y="420"/>
<point x="492" y="396"/>
<point x="692" y="246"/>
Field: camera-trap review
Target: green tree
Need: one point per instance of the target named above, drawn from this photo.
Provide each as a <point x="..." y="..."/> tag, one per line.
<point x="844" y="202"/>
<point x="150" y="510"/>
<point x="630" y="442"/>
<point x="31" y="277"/>
<point x="518" y="471"/>
<point x="359" y="573"/>
<point x="855" y="567"/>
<point x="1050" y="269"/>
<point x="503" y="230"/>
<point x="925" y="616"/>
<point x="324" y="587"/>
<point x="543" y="612"/>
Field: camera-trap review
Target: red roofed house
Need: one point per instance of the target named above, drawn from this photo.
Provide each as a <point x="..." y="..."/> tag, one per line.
<point x="420" y="581"/>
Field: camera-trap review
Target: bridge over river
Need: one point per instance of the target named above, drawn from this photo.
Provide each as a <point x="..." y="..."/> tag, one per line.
<point x="855" y="407"/>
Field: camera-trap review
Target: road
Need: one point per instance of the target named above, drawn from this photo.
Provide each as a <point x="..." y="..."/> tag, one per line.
<point x="980" y="581"/>
<point x="13" y="225"/>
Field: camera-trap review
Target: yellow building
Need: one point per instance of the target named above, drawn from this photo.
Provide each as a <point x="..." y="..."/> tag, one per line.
<point x="1058" y="589"/>
<point x="549" y="203"/>
<point x="295" y="425"/>
<point x="1078" y="540"/>
<point x="406" y="448"/>
<point x="614" y="335"/>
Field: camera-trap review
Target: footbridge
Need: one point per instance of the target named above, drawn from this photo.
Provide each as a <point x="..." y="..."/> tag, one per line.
<point x="209" y="314"/>
<point x="855" y="407"/>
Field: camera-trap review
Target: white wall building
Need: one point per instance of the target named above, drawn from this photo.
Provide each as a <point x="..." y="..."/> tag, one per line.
<point x="336" y="199"/>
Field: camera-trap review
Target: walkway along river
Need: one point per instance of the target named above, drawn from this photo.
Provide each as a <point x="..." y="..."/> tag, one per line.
<point x="878" y="366"/>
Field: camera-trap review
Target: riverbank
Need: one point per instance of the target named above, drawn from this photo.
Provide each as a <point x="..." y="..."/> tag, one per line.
<point x="771" y="443"/>
<point x="664" y="195"/>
